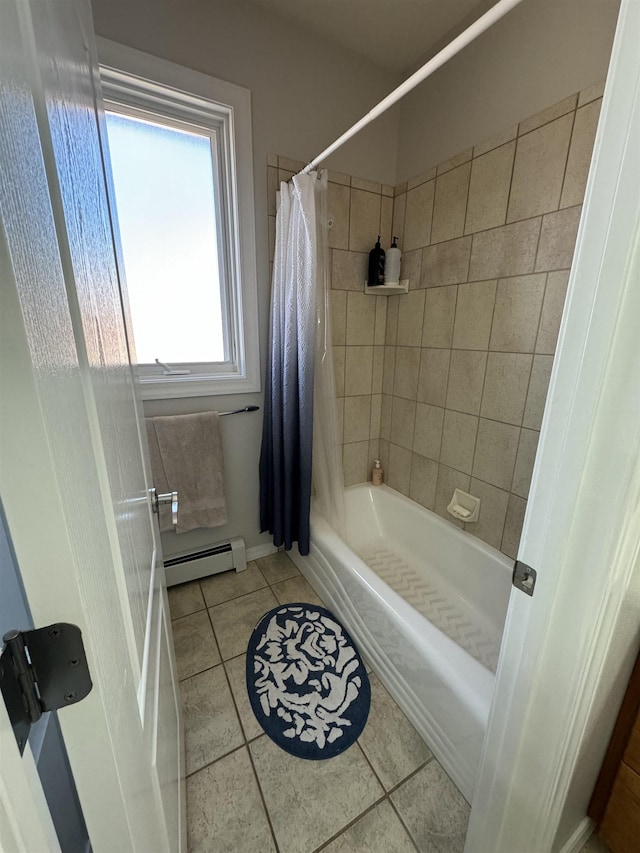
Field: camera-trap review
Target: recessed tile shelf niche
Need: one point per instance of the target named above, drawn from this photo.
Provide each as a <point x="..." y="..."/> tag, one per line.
<point x="387" y="289"/>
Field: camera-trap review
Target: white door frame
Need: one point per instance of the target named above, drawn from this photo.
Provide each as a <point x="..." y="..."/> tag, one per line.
<point x="25" y="819"/>
<point x="568" y="650"/>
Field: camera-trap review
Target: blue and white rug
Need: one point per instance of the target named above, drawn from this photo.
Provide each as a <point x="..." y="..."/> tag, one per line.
<point x="307" y="684"/>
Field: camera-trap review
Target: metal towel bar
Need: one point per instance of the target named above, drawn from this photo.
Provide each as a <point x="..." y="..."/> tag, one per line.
<point x="239" y="411"/>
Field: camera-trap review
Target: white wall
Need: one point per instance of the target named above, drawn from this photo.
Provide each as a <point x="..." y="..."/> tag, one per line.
<point x="304" y="93"/>
<point x="539" y="53"/>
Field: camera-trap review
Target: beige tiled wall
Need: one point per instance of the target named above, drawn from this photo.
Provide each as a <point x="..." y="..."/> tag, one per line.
<point x="447" y="384"/>
<point x="358" y="211"/>
<point x="488" y="239"/>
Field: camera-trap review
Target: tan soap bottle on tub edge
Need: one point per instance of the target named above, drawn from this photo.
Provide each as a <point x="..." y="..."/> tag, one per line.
<point x="377" y="474"/>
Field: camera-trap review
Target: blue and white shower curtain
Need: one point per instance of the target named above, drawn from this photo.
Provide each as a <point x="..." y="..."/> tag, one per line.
<point x="300" y="411"/>
<point x="287" y="434"/>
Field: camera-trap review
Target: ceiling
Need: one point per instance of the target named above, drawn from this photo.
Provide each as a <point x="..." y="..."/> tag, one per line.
<point x="395" y="34"/>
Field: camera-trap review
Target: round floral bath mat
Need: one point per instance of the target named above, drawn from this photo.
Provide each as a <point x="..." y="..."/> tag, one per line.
<point x="307" y="684"/>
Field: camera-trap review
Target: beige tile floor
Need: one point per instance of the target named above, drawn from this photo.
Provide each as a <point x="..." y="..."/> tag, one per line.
<point x="385" y="794"/>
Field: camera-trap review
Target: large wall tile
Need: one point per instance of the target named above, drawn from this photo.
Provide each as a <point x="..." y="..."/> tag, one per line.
<point x="378" y="370"/>
<point x="406" y="373"/>
<point x="399" y="469"/>
<point x="272" y="237"/>
<point x="272" y="188"/>
<point x="506" y="251"/>
<point x="537" y="395"/>
<point x="361" y="318"/>
<point x="399" y="210"/>
<point x="496" y="141"/>
<point x="458" y="440"/>
<point x="558" y="239"/>
<point x="505" y="386"/>
<point x="339" y="356"/>
<point x="453" y="162"/>
<point x="424" y="478"/>
<point x="380" y="328"/>
<point x="517" y="310"/>
<point x="385" y="417"/>
<point x="338" y="303"/>
<point x="355" y="459"/>
<point x="410" y="267"/>
<point x="427" y="436"/>
<point x="489" y="189"/>
<point x="419" y="209"/>
<point x="552" y="308"/>
<point x="446" y="263"/>
<point x="547" y="115"/>
<point x="591" y="93"/>
<point x="538" y="171"/>
<point x="391" y="335"/>
<point x="433" y="376"/>
<point x="439" y="315"/>
<point x="340" y="416"/>
<point x="338" y="201"/>
<point x="403" y="418"/>
<point x="376" y="412"/>
<point x="582" y="139"/>
<point x="496" y="449"/>
<point x="429" y="175"/>
<point x="386" y="221"/>
<point x="358" y="373"/>
<point x="410" y="313"/>
<point x="493" y="511"/>
<point x="364" y="220"/>
<point x="524" y="462"/>
<point x="450" y="204"/>
<point x="363" y="184"/>
<point x="466" y="377"/>
<point x="339" y="178"/>
<point x="348" y="270"/>
<point x="474" y="313"/>
<point x="357" y="418"/>
<point x="513" y="526"/>
<point x="389" y="370"/>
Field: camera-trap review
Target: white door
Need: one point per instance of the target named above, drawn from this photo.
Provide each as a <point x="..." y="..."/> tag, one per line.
<point x="71" y="461"/>
<point x="568" y="651"/>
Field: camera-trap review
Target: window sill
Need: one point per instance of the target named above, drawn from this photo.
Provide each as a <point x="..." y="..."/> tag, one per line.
<point x="168" y="388"/>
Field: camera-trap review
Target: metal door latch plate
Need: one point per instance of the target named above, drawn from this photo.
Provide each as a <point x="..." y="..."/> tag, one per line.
<point x="524" y="577"/>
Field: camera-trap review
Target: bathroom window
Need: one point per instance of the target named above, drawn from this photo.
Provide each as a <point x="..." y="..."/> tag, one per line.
<point x="181" y="166"/>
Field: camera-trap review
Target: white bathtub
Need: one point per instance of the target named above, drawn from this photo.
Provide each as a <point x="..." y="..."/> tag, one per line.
<point x="434" y="575"/>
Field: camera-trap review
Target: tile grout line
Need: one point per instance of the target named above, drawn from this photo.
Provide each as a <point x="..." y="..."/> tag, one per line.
<point x="566" y="159"/>
<point x="484" y="380"/>
<point x="215" y="761"/>
<point x="379" y="801"/>
<point x="262" y="797"/>
<point x="324" y="844"/>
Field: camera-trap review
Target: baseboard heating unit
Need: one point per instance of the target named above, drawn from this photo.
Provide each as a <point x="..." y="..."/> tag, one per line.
<point x="206" y="561"/>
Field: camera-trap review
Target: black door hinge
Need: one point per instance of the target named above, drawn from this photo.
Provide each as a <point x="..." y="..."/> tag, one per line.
<point x="42" y="670"/>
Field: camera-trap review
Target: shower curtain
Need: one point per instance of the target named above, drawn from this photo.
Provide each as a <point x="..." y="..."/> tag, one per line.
<point x="300" y="435"/>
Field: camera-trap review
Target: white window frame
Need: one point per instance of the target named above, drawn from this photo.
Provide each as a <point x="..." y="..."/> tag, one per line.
<point x="145" y="86"/>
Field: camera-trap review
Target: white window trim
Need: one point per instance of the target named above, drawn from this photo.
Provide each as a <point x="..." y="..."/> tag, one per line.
<point x="193" y="87"/>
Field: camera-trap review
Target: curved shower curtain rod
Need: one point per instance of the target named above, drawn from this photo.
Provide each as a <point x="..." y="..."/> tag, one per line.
<point x="483" y="23"/>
